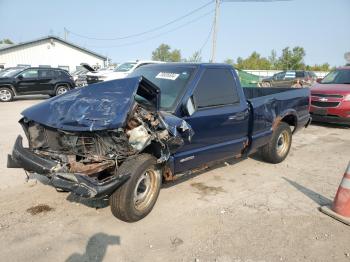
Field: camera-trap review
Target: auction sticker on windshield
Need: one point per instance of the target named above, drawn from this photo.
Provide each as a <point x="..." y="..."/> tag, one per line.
<point x="167" y="75"/>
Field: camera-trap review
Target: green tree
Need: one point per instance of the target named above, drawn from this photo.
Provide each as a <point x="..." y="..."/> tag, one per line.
<point x="6" y="41"/>
<point x="164" y="53"/>
<point x="229" y="61"/>
<point x="273" y="59"/>
<point x="322" y="67"/>
<point x="195" y="57"/>
<point x="292" y="59"/>
<point x="254" y="61"/>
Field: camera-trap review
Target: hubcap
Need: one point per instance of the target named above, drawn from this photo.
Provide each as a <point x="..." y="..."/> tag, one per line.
<point x="283" y="143"/>
<point x="5" y="95"/>
<point x="62" y="90"/>
<point x="145" y="189"/>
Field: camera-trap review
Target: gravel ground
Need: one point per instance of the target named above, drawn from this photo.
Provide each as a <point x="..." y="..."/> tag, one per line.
<point x="247" y="211"/>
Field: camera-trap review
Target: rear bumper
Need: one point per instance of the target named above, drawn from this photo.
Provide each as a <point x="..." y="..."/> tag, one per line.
<point x="330" y="119"/>
<point x="79" y="184"/>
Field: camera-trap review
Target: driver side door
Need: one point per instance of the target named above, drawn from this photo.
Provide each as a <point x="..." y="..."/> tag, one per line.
<point x="27" y="81"/>
<point x="219" y="121"/>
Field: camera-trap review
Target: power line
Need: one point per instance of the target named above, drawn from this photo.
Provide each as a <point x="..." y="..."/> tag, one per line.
<point x="161" y="34"/>
<point x="207" y="39"/>
<point x="144" y="32"/>
<point x="216" y="19"/>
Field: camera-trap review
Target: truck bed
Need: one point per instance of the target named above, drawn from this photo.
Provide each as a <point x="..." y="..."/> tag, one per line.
<point x="268" y="105"/>
<point x="254" y="92"/>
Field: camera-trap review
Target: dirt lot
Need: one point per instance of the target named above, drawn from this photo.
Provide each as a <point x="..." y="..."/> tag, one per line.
<point x="249" y="211"/>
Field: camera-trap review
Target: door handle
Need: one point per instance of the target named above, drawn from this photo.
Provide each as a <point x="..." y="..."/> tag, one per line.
<point x="238" y="116"/>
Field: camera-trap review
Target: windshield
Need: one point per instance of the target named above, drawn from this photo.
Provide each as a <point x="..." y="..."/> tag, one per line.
<point x="171" y="81"/>
<point x="124" y="67"/>
<point x="340" y="76"/>
<point x="10" y="72"/>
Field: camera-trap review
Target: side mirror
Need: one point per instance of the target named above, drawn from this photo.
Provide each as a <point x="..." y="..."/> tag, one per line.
<point x="188" y="108"/>
<point x="318" y="80"/>
<point x="20" y="77"/>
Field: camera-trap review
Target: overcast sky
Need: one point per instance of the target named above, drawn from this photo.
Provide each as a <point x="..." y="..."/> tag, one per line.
<point x="322" y="27"/>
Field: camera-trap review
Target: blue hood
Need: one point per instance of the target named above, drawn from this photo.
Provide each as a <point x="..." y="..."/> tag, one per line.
<point x="99" y="106"/>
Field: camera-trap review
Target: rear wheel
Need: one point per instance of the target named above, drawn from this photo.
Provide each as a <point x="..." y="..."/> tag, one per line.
<point x="266" y="84"/>
<point x="61" y="90"/>
<point x="278" y="147"/>
<point x="135" y="199"/>
<point x="6" y="94"/>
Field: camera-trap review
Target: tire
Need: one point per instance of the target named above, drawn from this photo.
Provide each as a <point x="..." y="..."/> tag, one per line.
<point x="6" y="94"/>
<point x="135" y="199"/>
<point x="60" y="90"/>
<point x="278" y="147"/>
<point x="266" y="84"/>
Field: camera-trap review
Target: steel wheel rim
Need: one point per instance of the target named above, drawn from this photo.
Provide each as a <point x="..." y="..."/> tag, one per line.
<point x="5" y="95"/>
<point x="282" y="144"/>
<point x="145" y="189"/>
<point x="62" y="90"/>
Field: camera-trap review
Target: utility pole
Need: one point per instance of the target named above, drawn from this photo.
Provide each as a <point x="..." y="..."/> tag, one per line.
<point x="65" y="34"/>
<point x="215" y="30"/>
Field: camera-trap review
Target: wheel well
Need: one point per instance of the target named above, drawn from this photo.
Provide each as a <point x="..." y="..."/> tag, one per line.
<point x="291" y="120"/>
<point x="154" y="149"/>
<point x="62" y="84"/>
<point x="9" y="87"/>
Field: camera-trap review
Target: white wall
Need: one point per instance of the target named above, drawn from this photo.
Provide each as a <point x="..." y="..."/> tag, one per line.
<point x="48" y="52"/>
<point x="266" y="73"/>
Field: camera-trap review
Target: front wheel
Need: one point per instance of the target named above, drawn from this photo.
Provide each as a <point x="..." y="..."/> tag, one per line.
<point x="278" y="147"/>
<point x="135" y="199"/>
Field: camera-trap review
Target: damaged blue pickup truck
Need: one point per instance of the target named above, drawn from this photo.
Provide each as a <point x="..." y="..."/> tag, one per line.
<point x="121" y="139"/>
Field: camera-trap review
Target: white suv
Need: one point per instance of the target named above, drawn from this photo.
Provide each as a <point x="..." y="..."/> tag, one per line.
<point x="121" y="71"/>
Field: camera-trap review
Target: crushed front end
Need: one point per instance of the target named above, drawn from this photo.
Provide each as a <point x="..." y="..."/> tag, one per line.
<point x="86" y="161"/>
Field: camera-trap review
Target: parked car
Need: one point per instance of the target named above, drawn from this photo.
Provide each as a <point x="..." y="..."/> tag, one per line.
<point x="34" y="80"/>
<point x="330" y="99"/>
<point x="119" y="72"/>
<point x="121" y="139"/>
<point x="290" y="79"/>
<point x="78" y="72"/>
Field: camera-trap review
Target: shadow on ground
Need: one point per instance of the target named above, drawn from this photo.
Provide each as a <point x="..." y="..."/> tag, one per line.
<point x="95" y="249"/>
<point x="31" y="97"/>
<point x="314" y="196"/>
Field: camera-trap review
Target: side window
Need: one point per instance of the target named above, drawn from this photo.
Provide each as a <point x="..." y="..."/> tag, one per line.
<point x="31" y="73"/>
<point x="215" y="88"/>
<point x="280" y="76"/>
<point x="58" y="73"/>
<point x="299" y="74"/>
<point x="290" y="75"/>
<point x="46" y="74"/>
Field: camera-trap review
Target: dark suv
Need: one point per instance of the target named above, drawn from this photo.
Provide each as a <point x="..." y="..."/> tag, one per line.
<point x="291" y="78"/>
<point x="32" y="81"/>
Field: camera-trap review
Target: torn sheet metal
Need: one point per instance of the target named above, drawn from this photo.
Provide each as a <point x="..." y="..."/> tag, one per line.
<point x="177" y="126"/>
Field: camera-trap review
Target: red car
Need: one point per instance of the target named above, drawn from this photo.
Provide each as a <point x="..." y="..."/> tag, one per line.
<point x="330" y="98"/>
